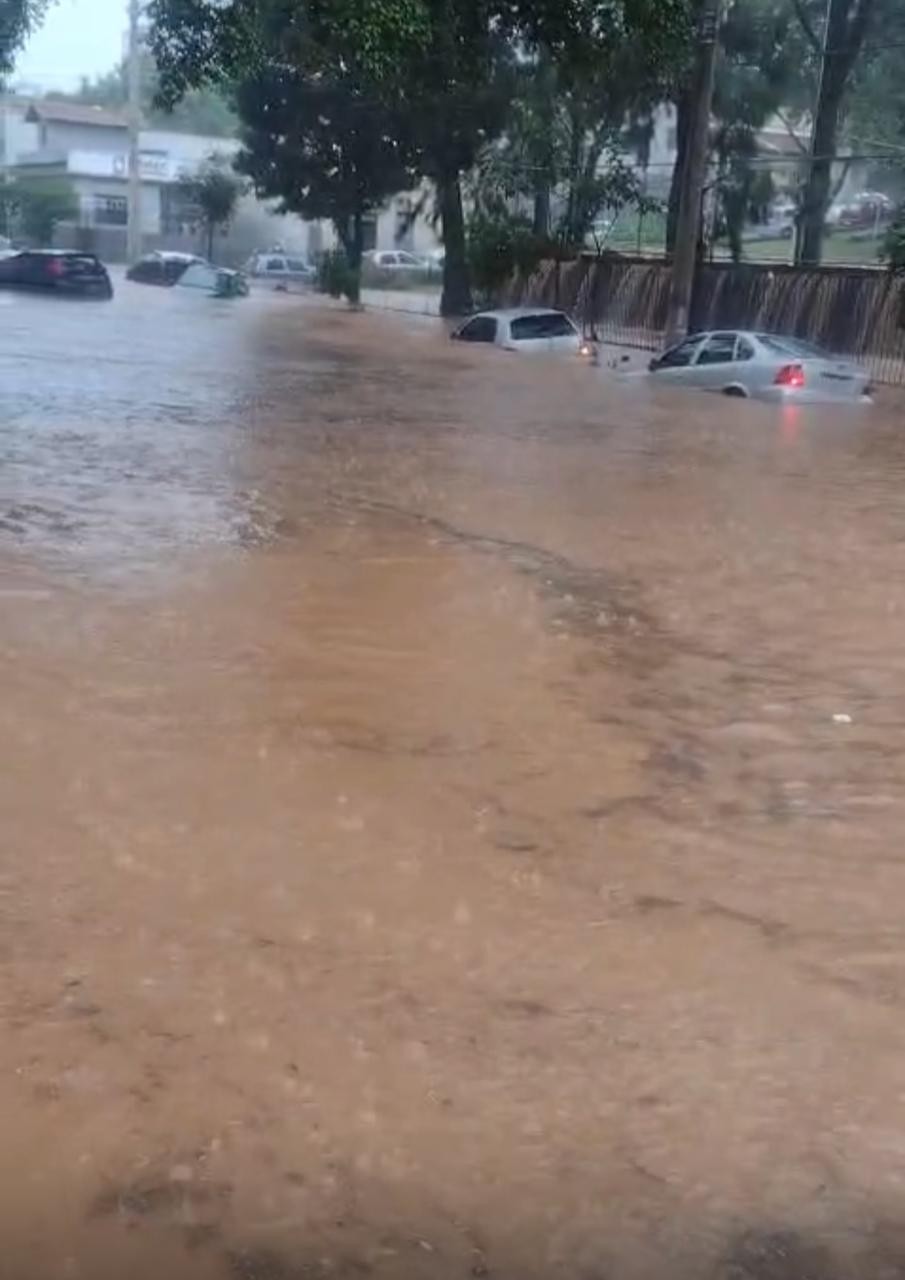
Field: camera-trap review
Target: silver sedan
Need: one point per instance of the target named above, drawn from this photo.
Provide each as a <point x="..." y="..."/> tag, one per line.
<point x="764" y="366"/>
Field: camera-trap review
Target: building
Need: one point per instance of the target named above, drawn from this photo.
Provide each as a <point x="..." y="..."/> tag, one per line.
<point x="88" y="147"/>
<point x="404" y="222"/>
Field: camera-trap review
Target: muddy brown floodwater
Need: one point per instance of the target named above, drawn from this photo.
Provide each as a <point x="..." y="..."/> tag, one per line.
<point x="452" y="812"/>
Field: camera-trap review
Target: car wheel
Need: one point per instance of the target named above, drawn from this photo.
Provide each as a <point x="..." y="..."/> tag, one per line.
<point x="737" y="392"/>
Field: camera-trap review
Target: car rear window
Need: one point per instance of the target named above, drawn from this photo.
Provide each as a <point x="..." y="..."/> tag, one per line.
<point x="549" y="325"/>
<point x="81" y="264"/>
<point x="783" y="346"/>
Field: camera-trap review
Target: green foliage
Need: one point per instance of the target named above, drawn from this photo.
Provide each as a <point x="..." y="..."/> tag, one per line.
<point x="323" y="146"/>
<point x="845" y="33"/>
<point x="500" y="244"/>
<point x="214" y="190"/>
<point x="446" y="66"/>
<point x="337" y="278"/>
<point x="893" y="250"/>
<point x="18" y="18"/>
<point x="206" y="110"/>
<point x="38" y="205"/>
<point x="875" y="116"/>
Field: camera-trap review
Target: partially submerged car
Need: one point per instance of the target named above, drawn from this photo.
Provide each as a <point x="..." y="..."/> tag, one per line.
<point x="161" y="268"/>
<point x="527" y="330"/>
<point x="762" y="366"/>
<point x="64" y="272"/>
<point x="393" y="261"/>
<point x="219" y="282"/>
<point x="282" y="270"/>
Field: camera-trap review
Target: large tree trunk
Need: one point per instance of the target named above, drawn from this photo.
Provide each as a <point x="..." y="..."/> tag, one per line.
<point x="541" y="220"/>
<point x="354" y="254"/>
<point x="684" y="108"/>
<point x="815" y="200"/>
<point x="575" y="176"/>
<point x="352" y="237"/>
<point x="456" y="297"/>
<point x="847" y="25"/>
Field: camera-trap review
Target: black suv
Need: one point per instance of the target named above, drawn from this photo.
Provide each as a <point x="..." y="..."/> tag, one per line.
<point x="61" y="271"/>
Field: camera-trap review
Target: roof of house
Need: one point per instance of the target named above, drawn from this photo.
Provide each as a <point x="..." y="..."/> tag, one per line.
<point x="77" y="113"/>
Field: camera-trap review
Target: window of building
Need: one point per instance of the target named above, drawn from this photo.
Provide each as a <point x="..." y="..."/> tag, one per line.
<point x="111" y="211"/>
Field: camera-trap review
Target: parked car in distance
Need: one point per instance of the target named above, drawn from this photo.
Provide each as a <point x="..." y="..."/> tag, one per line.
<point x="866" y="211"/>
<point x="393" y="260"/>
<point x="763" y="366"/>
<point x="219" y="282"/>
<point x="65" y="272"/>
<point x="161" y="268"/>
<point x="282" y="270"/>
<point x="528" y="330"/>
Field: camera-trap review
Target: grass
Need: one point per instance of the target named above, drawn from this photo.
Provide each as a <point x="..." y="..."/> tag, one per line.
<point x="839" y="249"/>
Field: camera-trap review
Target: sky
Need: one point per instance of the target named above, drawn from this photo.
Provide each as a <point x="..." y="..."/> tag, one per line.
<point x="78" y="37"/>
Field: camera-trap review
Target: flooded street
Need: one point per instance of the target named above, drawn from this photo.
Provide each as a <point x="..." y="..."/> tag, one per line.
<point x="452" y="811"/>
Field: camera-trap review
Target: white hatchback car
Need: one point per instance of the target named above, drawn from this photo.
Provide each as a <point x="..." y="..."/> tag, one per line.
<point x="528" y="330"/>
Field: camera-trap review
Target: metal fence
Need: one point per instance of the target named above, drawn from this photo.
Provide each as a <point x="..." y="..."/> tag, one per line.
<point x="852" y="311"/>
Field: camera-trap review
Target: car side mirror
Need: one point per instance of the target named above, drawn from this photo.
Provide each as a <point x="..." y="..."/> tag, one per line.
<point x="654" y="365"/>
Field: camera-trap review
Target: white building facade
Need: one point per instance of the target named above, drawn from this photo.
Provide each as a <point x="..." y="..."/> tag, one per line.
<point x="88" y="147"/>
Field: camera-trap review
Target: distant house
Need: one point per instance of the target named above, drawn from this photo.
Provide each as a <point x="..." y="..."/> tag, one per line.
<point x="88" y="146"/>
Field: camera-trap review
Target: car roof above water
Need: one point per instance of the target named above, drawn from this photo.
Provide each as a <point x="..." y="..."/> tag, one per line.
<point x="519" y="313"/>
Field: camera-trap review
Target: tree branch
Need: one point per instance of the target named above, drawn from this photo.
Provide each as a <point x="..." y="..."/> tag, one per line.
<point x="857" y="29"/>
<point x="787" y="125"/>
<point x="807" y="26"/>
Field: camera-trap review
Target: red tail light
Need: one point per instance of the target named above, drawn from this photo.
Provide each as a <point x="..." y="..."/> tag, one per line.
<point x="55" y="267"/>
<point x="790" y="375"/>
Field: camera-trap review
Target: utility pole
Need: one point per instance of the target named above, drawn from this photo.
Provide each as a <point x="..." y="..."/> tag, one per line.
<point x="133" y="226"/>
<point x="694" y="175"/>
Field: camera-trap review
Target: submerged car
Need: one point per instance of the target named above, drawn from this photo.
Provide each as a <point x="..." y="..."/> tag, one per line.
<point x="65" y="272"/>
<point x="762" y="366"/>
<point x="282" y="270"/>
<point x="219" y="282"/>
<point x="393" y="261"/>
<point x="161" y="268"/>
<point x="528" y="330"/>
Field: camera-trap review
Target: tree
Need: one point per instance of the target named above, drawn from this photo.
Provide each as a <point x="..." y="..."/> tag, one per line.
<point x="458" y="91"/>
<point x="214" y="191"/>
<point x="18" y="18"/>
<point x="759" y="71"/>
<point x="848" y="23"/>
<point x="563" y="146"/>
<point x="319" y="144"/>
<point x="206" y="110"/>
<point x="443" y="62"/>
<point x="760" y="68"/>
<point x="38" y="205"/>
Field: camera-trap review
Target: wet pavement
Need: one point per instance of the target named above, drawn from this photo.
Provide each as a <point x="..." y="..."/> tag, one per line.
<point x="451" y="811"/>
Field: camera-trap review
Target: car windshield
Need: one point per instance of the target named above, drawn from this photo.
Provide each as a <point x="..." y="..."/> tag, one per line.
<point x="548" y="324"/>
<point x="783" y="346"/>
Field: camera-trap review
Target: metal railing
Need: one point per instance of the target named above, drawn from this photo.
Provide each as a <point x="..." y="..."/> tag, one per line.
<point x="852" y="311"/>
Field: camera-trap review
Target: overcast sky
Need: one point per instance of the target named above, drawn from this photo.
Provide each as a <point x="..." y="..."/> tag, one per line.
<point x="78" y="37"/>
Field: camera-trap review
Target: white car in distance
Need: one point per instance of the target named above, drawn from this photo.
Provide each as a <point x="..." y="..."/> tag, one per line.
<point x="527" y="330"/>
<point x="393" y="260"/>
